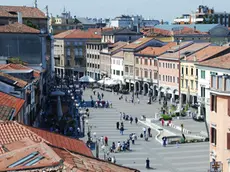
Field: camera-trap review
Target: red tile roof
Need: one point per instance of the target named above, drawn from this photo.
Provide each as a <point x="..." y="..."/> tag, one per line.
<point x="156" y="51"/>
<point x="8" y="101"/>
<point x="18" y="28"/>
<point x="18" y="82"/>
<point x="13" y="131"/>
<point x="80" y="163"/>
<point x="138" y="43"/>
<point x="77" y="34"/>
<point x="12" y="66"/>
<point x="20" y="149"/>
<point x="222" y="62"/>
<point x="206" y="53"/>
<point x="188" y="31"/>
<point x="27" y="12"/>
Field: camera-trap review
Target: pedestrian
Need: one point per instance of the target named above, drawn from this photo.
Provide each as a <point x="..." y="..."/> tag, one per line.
<point x="91" y="97"/>
<point x="147" y="165"/>
<point x="149" y="132"/>
<point x="164" y="139"/>
<point x="120" y="116"/>
<point x="138" y="100"/>
<point x="122" y="130"/>
<point x="102" y="140"/>
<point x="126" y="99"/>
<point x="122" y="124"/>
<point x="118" y="125"/>
<point x="144" y="131"/>
<point x="162" y="122"/>
<point x="124" y="115"/>
<point x="94" y="92"/>
<point x="136" y="120"/>
<point x="106" y="141"/>
<point x="133" y="139"/>
<point x="131" y="120"/>
<point x="102" y="95"/>
<point x="159" y="101"/>
<point x="113" y="160"/>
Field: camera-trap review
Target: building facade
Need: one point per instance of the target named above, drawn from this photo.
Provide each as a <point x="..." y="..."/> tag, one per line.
<point x="220" y="120"/>
<point x="117" y="69"/>
<point x="70" y="51"/>
<point x="93" y="50"/>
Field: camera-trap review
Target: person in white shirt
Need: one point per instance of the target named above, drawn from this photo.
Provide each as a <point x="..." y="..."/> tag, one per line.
<point x="144" y="130"/>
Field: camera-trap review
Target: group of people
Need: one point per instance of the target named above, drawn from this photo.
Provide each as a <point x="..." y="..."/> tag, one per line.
<point x="100" y="103"/>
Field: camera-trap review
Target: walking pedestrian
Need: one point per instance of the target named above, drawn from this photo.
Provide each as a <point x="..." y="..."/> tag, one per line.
<point x="122" y="130"/>
<point x="149" y="132"/>
<point x="118" y="125"/>
<point x="164" y="139"/>
<point x="144" y="131"/>
<point x="106" y="141"/>
<point x="102" y="95"/>
<point x="162" y="122"/>
<point x="122" y="124"/>
<point x="120" y="116"/>
<point x="131" y="120"/>
<point x="94" y="92"/>
<point x="138" y="100"/>
<point x="133" y="139"/>
<point x="147" y="165"/>
<point x="136" y="120"/>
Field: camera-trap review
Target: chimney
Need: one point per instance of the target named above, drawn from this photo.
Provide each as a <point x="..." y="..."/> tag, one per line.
<point x="194" y="59"/>
<point x="20" y="17"/>
<point x="35" y="4"/>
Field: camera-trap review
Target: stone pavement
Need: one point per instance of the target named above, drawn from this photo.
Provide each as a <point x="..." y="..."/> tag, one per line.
<point x="192" y="157"/>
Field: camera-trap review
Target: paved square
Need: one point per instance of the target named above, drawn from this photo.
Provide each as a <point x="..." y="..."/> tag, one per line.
<point x="187" y="158"/>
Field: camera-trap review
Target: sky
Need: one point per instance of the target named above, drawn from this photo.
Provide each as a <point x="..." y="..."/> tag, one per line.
<point x="154" y="9"/>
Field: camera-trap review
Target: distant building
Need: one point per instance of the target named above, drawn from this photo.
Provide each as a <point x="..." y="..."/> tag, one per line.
<point x="30" y="16"/>
<point x="220" y="120"/>
<point x="70" y="51"/>
<point x="204" y="15"/>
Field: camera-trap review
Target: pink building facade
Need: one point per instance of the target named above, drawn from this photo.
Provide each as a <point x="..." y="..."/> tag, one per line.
<point x="220" y="121"/>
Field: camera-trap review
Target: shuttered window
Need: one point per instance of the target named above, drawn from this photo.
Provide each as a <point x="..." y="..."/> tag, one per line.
<point x="228" y="140"/>
<point x="213" y="135"/>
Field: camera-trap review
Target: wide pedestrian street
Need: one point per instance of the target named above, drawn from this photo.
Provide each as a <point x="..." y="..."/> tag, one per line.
<point x="192" y="157"/>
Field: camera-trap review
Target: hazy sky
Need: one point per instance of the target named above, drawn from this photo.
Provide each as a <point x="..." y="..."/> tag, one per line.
<point x="157" y="9"/>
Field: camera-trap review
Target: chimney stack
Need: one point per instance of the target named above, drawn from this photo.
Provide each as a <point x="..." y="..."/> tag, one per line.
<point x="20" y="17"/>
<point x="35" y="4"/>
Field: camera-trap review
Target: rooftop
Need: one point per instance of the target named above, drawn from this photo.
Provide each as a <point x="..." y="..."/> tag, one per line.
<point x="27" y="12"/>
<point x="156" y="51"/>
<point x="80" y="34"/>
<point x="122" y="31"/>
<point x="222" y="62"/>
<point x="206" y="53"/>
<point x="119" y="54"/>
<point x="86" y="21"/>
<point x="18" y="132"/>
<point x="118" y="45"/>
<point x="9" y="105"/>
<point x="18" y="28"/>
<point x="138" y="43"/>
<point x="6" y="78"/>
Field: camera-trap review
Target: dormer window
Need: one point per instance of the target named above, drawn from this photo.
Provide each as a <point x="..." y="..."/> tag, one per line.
<point x="13" y="12"/>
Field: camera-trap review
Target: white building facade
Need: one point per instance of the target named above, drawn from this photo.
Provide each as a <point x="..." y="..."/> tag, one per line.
<point x="117" y="68"/>
<point x="204" y="79"/>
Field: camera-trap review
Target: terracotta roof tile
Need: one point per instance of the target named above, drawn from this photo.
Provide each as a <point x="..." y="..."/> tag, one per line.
<point x="222" y="62"/>
<point x="84" y="163"/>
<point x="18" y="131"/>
<point x="138" y="43"/>
<point x="7" y="103"/>
<point x="22" y="149"/>
<point x="12" y="67"/>
<point x="206" y="53"/>
<point x="27" y="12"/>
<point x="156" y="51"/>
<point x="77" y="33"/>
<point x="18" y="82"/>
<point x="18" y="28"/>
<point x="117" y="46"/>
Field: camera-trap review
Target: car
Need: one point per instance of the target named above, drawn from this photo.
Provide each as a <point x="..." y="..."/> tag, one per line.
<point x="198" y="118"/>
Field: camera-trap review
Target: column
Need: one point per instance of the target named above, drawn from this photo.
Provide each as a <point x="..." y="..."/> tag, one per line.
<point x="173" y="97"/>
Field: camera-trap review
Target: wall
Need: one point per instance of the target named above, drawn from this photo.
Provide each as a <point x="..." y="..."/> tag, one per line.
<point x="117" y="65"/>
<point x="221" y="121"/>
<point x="28" y="47"/>
<point x="105" y="66"/>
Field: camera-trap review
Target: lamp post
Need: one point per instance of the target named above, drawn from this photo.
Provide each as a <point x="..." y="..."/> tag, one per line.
<point x="97" y="146"/>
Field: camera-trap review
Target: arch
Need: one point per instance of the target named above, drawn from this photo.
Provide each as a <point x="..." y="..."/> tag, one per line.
<point x="146" y="88"/>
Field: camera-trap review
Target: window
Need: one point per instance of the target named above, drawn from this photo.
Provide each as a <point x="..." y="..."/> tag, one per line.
<point x="166" y="65"/>
<point x="80" y="43"/>
<point x="150" y="74"/>
<point x="182" y="70"/>
<point x="213" y="136"/>
<point x="114" y="71"/>
<point x="146" y="74"/>
<point x="146" y="61"/>
<point x="196" y="85"/>
<point x="160" y="77"/>
<point x="196" y="72"/>
<point x="68" y="52"/>
<point x="150" y="62"/>
<point x="118" y="62"/>
<point x="126" y="69"/>
<point x="186" y="71"/>
<point x="76" y="51"/>
<point x="177" y="66"/>
<point x="163" y="65"/>
<point x="122" y="73"/>
<point x="228" y="140"/>
<point x="75" y="43"/>
<point x="137" y="72"/>
<point x="178" y="80"/>
<point x="137" y="61"/>
<point x="159" y="64"/>
<point x="173" y="66"/>
<point x="191" y="84"/>
<point x="202" y="89"/>
<point x="202" y="74"/>
<point x="186" y="83"/>
<point x="182" y="83"/>
<point x="163" y="78"/>
<point x="113" y="61"/>
<point x="213" y="103"/>
<point x="155" y="62"/>
<point x="118" y="73"/>
<point x="191" y="71"/>
<point x="155" y="75"/>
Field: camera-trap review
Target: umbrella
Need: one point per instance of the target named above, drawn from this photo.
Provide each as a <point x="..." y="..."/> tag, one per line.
<point x="103" y="81"/>
<point x="112" y="82"/>
<point x="86" y="79"/>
